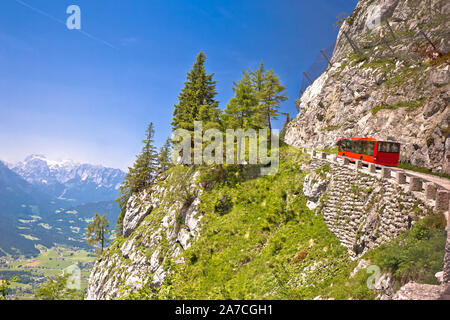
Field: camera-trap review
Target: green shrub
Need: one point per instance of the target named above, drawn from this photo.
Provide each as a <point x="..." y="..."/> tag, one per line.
<point x="223" y="203"/>
<point x="409" y="105"/>
<point x="323" y="170"/>
<point x="416" y="254"/>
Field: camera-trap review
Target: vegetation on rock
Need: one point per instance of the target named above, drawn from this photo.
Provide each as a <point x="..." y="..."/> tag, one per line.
<point x="259" y="241"/>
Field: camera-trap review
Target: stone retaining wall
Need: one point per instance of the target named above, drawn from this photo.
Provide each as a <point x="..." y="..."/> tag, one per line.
<point x="362" y="210"/>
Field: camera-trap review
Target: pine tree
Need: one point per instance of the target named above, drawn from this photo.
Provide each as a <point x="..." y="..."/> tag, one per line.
<point x="257" y="77"/>
<point x="145" y="166"/>
<point x="97" y="231"/>
<point x="243" y="109"/>
<point x="286" y="122"/>
<point x="269" y="92"/>
<point x="164" y="156"/>
<point x="196" y="100"/>
<point x="271" y="97"/>
<point x="139" y="176"/>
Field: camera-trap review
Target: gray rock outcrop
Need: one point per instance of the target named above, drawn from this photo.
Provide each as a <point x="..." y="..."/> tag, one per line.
<point x="400" y="97"/>
<point x="159" y="224"/>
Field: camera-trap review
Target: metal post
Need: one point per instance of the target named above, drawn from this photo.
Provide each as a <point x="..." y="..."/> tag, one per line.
<point x="326" y="58"/>
<point x="387" y="45"/>
<point x="354" y="46"/>
<point x="426" y="37"/>
<point x="390" y="29"/>
<point x="304" y="73"/>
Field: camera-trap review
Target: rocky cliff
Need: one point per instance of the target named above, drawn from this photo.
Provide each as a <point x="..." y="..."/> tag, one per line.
<point x="160" y="223"/>
<point x="392" y="85"/>
<point x="263" y="237"/>
<point x="312" y="230"/>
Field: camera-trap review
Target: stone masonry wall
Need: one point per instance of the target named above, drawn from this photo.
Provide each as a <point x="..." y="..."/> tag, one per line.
<point x="446" y="278"/>
<point x="362" y="210"/>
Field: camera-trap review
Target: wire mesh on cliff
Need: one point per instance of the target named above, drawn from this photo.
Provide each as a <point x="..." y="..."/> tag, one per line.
<point x="319" y="65"/>
<point x="397" y="42"/>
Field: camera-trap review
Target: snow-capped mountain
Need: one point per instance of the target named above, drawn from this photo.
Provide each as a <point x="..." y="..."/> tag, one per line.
<point x="49" y="203"/>
<point x="69" y="180"/>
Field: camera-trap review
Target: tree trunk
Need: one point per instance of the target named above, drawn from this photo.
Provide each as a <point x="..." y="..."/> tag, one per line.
<point x="102" y="239"/>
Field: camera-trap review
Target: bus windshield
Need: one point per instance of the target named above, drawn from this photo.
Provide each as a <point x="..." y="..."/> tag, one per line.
<point x="390" y="147"/>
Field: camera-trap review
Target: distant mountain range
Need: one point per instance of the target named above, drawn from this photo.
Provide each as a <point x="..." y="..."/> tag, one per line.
<point x="50" y="202"/>
<point x="67" y="180"/>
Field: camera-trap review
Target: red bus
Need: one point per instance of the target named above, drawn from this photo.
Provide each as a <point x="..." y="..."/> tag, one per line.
<point x="386" y="153"/>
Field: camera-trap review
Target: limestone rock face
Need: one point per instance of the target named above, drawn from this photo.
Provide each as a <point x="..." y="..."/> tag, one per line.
<point x="446" y="273"/>
<point x="384" y="285"/>
<point x="404" y="97"/>
<point x="137" y="210"/>
<point x="159" y="224"/>
<point x="417" y="291"/>
<point x="313" y="187"/>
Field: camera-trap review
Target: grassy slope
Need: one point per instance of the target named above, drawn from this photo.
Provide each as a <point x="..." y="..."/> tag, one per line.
<point x="259" y="241"/>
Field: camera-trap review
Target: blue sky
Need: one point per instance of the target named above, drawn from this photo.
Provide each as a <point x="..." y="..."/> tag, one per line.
<point x="89" y="96"/>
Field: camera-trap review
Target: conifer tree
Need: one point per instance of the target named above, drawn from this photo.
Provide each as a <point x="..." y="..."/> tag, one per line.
<point x="97" y="231"/>
<point x="139" y="176"/>
<point x="271" y="97"/>
<point x="196" y="100"/>
<point x="286" y="122"/>
<point x="257" y="78"/>
<point x="269" y="92"/>
<point x="145" y="166"/>
<point x="243" y="109"/>
<point x="164" y="156"/>
<point x="122" y="201"/>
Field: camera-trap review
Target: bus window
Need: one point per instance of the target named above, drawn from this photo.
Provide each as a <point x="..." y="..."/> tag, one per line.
<point x="355" y="146"/>
<point x="345" y="145"/>
<point x="364" y="147"/>
<point x="394" y="147"/>
<point x="348" y="145"/>
<point x="390" y="147"/>
<point x="360" y="146"/>
<point x="371" y="148"/>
